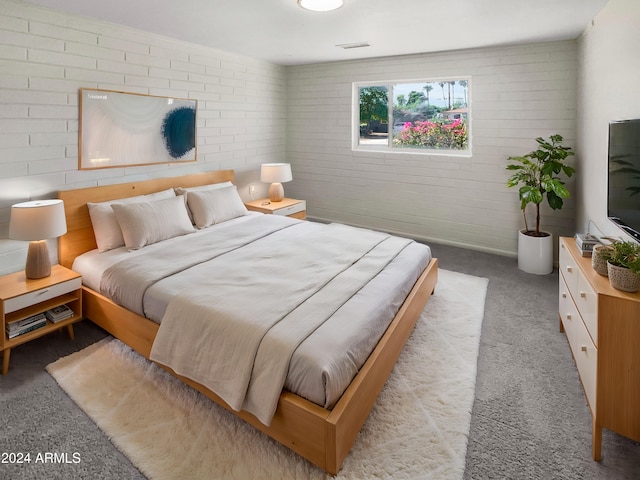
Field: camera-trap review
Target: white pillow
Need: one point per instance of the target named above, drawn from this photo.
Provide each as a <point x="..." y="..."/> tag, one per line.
<point x="105" y="226"/>
<point x="215" y="206"/>
<point x="145" y="223"/>
<point x="200" y="188"/>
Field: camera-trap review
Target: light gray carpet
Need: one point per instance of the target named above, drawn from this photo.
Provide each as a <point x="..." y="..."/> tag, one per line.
<point x="530" y="418"/>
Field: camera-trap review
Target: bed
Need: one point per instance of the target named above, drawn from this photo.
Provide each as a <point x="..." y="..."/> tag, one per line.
<point x="320" y="431"/>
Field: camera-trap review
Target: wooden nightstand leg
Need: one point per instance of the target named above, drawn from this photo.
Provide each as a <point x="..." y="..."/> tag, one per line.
<point x="5" y="360"/>
<point x="70" y="330"/>
<point x="596" y="441"/>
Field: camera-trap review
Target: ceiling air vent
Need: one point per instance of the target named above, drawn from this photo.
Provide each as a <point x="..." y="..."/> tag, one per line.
<point x="348" y="46"/>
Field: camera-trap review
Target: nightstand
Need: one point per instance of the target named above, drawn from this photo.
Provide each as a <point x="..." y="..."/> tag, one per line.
<point x="22" y="298"/>
<point x="288" y="206"/>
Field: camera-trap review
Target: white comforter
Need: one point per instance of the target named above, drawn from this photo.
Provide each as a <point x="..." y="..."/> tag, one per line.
<point x="244" y="311"/>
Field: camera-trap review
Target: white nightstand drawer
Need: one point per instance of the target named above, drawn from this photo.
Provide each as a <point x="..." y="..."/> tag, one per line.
<point x="291" y="209"/>
<point x="37" y="296"/>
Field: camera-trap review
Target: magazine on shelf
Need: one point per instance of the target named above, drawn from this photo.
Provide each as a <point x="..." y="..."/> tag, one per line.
<point x="27" y="328"/>
<point x="25" y="322"/>
<point x="58" y="313"/>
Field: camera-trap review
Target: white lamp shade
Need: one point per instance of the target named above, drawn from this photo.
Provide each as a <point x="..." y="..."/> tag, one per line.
<point x="37" y="220"/>
<point x="275" y="172"/>
<point x="320" y="5"/>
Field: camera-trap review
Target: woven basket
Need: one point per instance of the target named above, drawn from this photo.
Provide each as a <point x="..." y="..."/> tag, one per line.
<point x="623" y="279"/>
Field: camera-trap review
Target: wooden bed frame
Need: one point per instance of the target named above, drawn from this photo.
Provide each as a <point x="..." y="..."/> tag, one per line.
<point x="324" y="437"/>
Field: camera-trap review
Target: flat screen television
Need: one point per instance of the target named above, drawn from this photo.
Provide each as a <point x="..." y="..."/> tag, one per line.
<point x="623" y="198"/>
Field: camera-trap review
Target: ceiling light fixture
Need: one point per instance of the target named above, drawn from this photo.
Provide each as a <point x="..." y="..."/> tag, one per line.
<point x="320" y="5"/>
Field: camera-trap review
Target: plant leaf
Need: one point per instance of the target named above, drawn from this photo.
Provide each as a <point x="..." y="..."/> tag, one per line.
<point x="554" y="200"/>
<point x="530" y="194"/>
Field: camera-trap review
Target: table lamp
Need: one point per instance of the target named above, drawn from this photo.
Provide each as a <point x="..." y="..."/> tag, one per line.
<point x="35" y="222"/>
<point x="275" y="174"/>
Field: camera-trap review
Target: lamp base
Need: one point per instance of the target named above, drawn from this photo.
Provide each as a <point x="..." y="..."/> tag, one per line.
<point x="38" y="262"/>
<point x="276" y="192"/>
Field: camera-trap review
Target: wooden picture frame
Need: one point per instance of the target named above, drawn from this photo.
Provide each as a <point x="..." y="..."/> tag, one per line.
<point x="119" y="129"/>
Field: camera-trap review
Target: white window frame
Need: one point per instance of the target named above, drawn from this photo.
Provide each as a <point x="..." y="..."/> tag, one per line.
<point x="389" y="148"/>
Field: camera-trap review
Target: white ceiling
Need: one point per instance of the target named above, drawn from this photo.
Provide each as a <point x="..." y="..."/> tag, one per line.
<point x="281" y="32"/>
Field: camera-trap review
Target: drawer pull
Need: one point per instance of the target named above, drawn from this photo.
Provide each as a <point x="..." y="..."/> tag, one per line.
<point x="564" y="295"/>
<point x="569" y="269"/>
<point x="583" y="348"/>
<point x="568" y="316"/>
<point x="583" y="295"/>
<point x="42" y="292"/>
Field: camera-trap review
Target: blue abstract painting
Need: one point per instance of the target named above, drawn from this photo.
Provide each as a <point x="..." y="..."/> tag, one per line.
<point x="124" y="129"/>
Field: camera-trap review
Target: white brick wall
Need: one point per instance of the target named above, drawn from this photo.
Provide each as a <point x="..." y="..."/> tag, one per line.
<point x="517" y="93"/>
<point x="46" y="57"/>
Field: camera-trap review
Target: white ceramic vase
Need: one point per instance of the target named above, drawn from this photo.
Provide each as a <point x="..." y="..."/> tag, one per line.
<point x="535" y="254"/>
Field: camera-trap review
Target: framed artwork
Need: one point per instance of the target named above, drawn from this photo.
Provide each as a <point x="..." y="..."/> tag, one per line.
<point x="120" y="129"/>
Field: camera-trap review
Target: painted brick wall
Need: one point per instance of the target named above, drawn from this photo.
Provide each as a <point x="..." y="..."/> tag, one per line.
<point x="517" y="94"/>
<point x="46" y="57"/>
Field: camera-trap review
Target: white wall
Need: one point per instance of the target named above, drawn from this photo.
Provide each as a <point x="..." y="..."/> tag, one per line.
<point x="609" y="89"/>
<point x="517" y="93"/>
<point x="45" y="57"/>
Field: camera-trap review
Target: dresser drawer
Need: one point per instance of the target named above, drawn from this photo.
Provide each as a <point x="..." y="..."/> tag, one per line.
<point x="582" y="347"/>
<point x="37" y="296"/>
<point x="568" y="313"/>
<point x="585" y="354"/>
<point x="587" y="302"/>
<point x="568" y="268"/>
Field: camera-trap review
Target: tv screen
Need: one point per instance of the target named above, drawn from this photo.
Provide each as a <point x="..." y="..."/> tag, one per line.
<point x="623" y="202"/>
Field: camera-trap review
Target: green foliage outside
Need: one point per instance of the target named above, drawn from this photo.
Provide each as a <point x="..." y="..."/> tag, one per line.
<point x="374" y="104"/>
<point x="425" y="125"/>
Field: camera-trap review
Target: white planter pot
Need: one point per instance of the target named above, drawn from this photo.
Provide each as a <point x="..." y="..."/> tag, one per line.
<point x="535" y="254"/>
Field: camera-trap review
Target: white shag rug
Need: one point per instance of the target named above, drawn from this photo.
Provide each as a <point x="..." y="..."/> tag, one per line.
<point x="418" y="428"/>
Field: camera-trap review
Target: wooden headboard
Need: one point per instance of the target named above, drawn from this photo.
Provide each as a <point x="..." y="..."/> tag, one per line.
<point x="80" y="238"/>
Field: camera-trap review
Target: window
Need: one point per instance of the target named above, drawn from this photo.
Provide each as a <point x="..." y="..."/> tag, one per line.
<point x="429" y="116"/>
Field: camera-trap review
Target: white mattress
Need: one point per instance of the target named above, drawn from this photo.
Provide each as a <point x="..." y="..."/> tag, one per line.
<point x="326" y="362"/>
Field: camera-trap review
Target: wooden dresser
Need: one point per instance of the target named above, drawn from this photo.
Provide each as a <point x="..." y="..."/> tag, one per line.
<point x="602" y="325"/>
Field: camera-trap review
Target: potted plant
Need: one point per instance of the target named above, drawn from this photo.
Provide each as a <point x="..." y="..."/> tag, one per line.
<point x="599" y="258"/>
<point x="623" y="265"/>
<point x="536" y="173"/>
<point x="601" y="254"/>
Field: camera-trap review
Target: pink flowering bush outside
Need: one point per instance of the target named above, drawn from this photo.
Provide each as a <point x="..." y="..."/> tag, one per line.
<point x="427" y="134"/>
